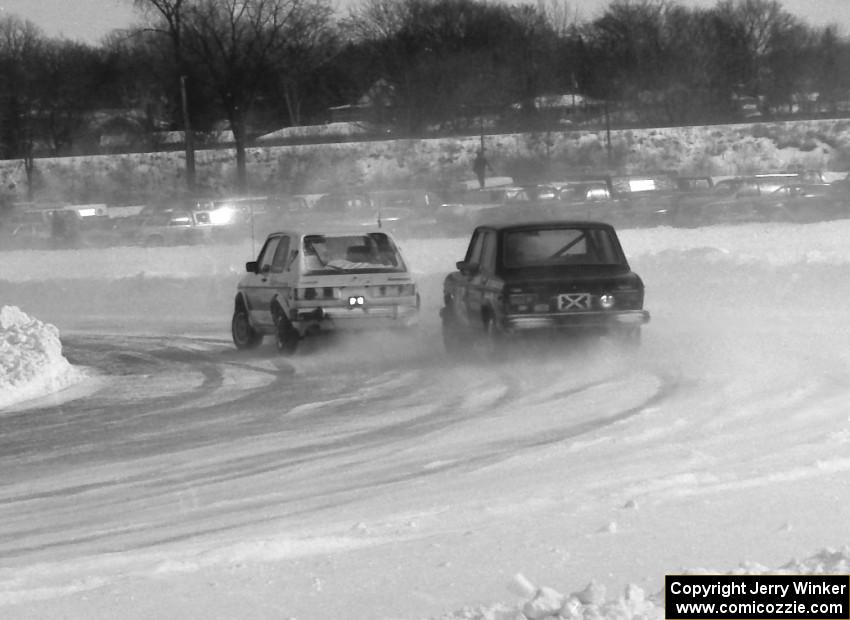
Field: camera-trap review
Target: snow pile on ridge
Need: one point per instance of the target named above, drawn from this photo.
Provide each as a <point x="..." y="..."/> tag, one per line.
<point x="541" y="603"/>
<point x="548" y="603"/>
<point x="31" y="360"/>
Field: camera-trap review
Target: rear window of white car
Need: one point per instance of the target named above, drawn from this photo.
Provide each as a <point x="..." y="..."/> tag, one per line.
<point x="367" y="253"/>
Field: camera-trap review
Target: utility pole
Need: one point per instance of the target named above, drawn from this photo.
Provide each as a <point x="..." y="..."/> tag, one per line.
<point x="481" y="120"/>
<point x="608" y="132"/>
<point x="188" y="136"/>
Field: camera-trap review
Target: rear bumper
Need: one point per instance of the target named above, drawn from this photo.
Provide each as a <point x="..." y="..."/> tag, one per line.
<point x="577" y="320"/>
<point x="389" y="316"/>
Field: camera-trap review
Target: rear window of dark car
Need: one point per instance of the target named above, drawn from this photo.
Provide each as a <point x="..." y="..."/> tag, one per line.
<point x="546" y="247"/>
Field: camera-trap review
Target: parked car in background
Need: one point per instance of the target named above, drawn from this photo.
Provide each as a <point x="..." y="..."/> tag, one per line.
<point x="740" y="199"/>
<point x="658" y="182"/>
<point x="626" y="200"/>
<point x="22" y="229"/>
<point x="583" y="190"/>
<point x="541" y="191"/>
<point x="158" y="227"/>
<point x="43" y="227"/>
<point x="416" y="199"/>
<point x="401" y="212"/>
<point x="252" y="217"/>
<point x="342" y="203"/>
<point x="305" y="282"/>
<point x="489" y="181"/>
<point x="463" y="208"/>
<point x="756" y="185"/>
<point x="407" y="212"/>
<point x="694" y="184"/>
<point x="810" y="202"/>
<point x="278" y="212"/>
<point x="541" y="276"/>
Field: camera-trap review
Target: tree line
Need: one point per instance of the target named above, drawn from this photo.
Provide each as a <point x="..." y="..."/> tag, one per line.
<point x="427" y="66"/>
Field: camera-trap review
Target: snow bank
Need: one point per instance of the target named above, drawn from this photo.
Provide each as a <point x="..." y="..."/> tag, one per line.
<point x="591" y="603"/>
<point x="31" y="360"/>
<point x="773" y="244"/>
<point x="587" y="604"/>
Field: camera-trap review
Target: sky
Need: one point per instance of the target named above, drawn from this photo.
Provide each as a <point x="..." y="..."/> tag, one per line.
<point x="85" y="20"/>
<point x="90" y="20"/>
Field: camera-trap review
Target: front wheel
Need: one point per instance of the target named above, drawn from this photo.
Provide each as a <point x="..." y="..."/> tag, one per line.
<point x="456" y="341"/>
<point x="244" y="336"/>
<point x="285" y="336"/>
<point x="495" y="340"/>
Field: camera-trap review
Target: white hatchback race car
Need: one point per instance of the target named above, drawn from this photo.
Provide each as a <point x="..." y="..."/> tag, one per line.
<point x="308" y="282"/>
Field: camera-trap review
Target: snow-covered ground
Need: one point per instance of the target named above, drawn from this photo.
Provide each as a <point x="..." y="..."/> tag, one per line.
<point x="559" y="484"/>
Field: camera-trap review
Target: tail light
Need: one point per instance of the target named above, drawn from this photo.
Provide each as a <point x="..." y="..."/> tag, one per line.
<point x="393" y="290"/>
<point x="622" y="299"/>
<point x="521" y="302"/>
<point x="310" y="293"/>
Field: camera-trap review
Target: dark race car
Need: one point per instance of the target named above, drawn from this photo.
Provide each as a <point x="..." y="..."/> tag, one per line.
<point x="548" y="276"/>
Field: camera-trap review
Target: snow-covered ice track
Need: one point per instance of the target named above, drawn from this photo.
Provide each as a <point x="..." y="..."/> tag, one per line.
<point x="186" y="437"/>
<point x="363" y="479"/>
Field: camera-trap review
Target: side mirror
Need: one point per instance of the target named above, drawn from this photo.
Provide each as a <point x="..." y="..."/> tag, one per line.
<point x="251" y="266"/>
<point x="468" y="269"/>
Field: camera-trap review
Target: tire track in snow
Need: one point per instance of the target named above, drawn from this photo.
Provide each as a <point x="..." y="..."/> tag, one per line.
<point x="235" y="441"/>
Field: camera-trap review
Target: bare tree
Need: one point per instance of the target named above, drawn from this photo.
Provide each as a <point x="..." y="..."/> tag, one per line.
<point x="240" y="45"/>
<point x="172" y="13"/>
<point x="450" y="61"/>
<point x="828" y="71"/>
<point x="559" y="16"/>
<point x="21" y="43"/>
<point x="627" y="45"/>
<point x="766" y="28"/>
<point x="311" y="43"/>
<point x="374" y="20"/>
<point x="69" y="85"/>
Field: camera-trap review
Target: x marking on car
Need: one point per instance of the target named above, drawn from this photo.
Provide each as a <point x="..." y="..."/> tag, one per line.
<point x="570" y="302"/>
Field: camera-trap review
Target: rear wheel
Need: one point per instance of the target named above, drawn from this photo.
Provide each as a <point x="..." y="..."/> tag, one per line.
<point x="244" y="336"/>
<point x="285" y="336"/>
<point x="455" y="340"/>
<point x="495" y="339"/>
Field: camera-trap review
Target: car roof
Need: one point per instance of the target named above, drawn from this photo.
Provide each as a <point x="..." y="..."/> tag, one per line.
<point x="332" y="232"/>
<point x="545" y="223"/>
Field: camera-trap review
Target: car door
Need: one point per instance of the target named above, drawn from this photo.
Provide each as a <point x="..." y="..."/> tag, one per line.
<point x="280" y="276"/>
<point x="459" y="282"/>
<point x="478" y="287"/>
<point x="258" y="287"/>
